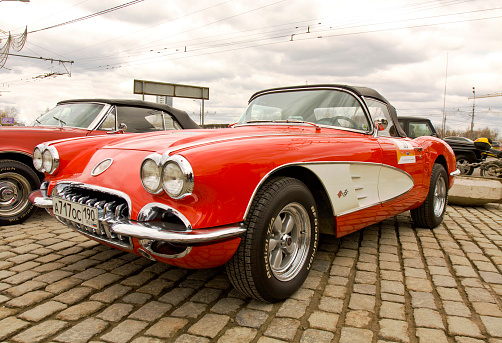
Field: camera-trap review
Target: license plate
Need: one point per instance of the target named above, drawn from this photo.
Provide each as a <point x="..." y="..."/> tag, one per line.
<point x="82" y="214"/>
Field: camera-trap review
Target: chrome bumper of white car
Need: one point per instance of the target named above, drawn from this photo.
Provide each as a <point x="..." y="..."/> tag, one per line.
<point x="38" y="199"/>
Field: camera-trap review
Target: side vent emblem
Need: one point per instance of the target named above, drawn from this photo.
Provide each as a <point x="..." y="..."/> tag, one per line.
<point x="101" y="166"/>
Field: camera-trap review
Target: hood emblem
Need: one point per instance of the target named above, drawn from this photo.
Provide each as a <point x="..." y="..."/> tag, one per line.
<point x="102" y="166"/>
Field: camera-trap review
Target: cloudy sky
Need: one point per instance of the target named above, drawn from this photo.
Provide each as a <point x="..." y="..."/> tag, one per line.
<point x="402" y="48"/>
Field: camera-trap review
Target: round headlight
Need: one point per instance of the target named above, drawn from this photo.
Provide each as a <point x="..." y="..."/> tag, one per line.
<point x="37" y="159"/>
<point x="150" y="176"/>
<point x="47" y="161"/>
<point x="172" y="179"/>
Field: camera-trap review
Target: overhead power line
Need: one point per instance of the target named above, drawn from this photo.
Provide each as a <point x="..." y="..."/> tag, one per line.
<point x="130" y="3"/>
<point x="486" y="96"/>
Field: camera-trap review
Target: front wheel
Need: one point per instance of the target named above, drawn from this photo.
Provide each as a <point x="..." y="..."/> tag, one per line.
<point x="430" y="214"/>
<point x="463" y="164"/>
<point x="277" y="251"/>
<point x="17" y="181"/>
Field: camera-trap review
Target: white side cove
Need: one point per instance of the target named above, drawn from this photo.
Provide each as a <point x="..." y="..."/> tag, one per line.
<point x="355" y="186"/>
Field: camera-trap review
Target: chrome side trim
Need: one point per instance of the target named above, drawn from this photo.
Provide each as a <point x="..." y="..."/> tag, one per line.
<point x="159" y="231"/>
<point x="37" y="199"/>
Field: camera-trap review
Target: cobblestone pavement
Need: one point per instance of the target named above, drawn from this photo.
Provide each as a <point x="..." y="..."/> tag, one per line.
<point x="387" y="283"/>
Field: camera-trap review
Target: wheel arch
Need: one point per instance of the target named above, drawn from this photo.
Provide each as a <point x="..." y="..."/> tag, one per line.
<point x="23" y="158"/>
<point x="467" y="153"/>
<point x="327" y="223"/>
<point x="442" y="161"/>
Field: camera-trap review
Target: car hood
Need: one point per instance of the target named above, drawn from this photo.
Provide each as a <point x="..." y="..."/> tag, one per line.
<point x="185" y="139"/>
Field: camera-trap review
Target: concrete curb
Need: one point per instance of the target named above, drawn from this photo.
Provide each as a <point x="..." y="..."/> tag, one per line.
<point x="474" y="191"/>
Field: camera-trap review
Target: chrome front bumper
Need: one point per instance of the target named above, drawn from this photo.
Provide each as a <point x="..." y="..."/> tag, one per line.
<point x="156" y="230"/>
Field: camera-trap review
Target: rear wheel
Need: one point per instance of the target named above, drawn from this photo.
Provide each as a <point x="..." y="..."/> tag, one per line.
<point x="490" y="169"/>
<point x="17" y="181"/>
<point x="276" y="254"/>
<point x="430" y="214"/>
<point x="463" y="162"/>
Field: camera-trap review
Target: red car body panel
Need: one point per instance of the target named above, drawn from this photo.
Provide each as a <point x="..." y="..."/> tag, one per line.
<point x="25" y="138"/>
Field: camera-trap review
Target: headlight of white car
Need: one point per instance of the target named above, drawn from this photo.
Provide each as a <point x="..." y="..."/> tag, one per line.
<point x="37" y="159"/>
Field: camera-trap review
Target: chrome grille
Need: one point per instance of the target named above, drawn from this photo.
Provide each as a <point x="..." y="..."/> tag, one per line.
<point x="111" y="209"/>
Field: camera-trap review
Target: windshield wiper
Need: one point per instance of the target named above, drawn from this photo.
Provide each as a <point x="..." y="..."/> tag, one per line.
<point x="61" y="122"/>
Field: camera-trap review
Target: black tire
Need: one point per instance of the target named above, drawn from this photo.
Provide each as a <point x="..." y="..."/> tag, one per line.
<point x="17" y="181"/>
<point x="430" y="214"/>
<point x="271" y="262"/>
<point x="462" y="162"/>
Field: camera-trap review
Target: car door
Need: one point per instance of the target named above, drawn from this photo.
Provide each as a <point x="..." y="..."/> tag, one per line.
<point x="401" y="153"/>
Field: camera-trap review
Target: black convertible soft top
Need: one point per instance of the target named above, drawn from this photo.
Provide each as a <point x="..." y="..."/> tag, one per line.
<point x="361" y="91"/>
<point x="181" y="116"/>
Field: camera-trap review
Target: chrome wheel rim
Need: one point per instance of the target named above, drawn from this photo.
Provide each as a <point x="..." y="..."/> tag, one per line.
<point x="463" y="166"/>
<point x="439" y="196"/>
<point x="289" y="241"/>
<point x="14" y="190"/>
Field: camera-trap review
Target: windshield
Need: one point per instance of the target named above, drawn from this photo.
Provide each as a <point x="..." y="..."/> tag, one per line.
<point x="322" y="107"/>
<point x="78" y="115"/>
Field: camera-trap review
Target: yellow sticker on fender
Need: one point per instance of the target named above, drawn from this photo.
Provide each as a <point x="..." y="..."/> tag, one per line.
<point x="405" y="152"/>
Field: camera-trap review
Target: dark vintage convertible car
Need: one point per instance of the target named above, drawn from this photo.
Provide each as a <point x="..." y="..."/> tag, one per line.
<point x="300" y="161"/>
<point x="70" y="118"/>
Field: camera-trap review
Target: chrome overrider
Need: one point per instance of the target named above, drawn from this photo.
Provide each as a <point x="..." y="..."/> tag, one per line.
<point x="153" y="234"/>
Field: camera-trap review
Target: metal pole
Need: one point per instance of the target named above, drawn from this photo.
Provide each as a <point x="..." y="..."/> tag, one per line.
<point x="473" y="106"/>
<point x="202" y="112"/>
<point x="443" y="134"/>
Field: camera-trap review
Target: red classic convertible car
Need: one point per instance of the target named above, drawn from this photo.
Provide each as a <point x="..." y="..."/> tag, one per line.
<point x="70" y="118"/>
<point x="300" y="161"/>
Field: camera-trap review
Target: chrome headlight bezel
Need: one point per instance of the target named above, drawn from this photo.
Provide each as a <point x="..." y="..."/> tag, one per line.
<point x="153" y="160"/>
<point x="187" y="177"/>
<point x="181" y="166"/>
<point x="49" y="161"/>
<point x="37" y="158"/>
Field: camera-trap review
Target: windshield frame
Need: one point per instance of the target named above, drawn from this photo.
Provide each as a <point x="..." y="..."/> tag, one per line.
<point x="356" y="96"/>
<point x="94" y="123"/>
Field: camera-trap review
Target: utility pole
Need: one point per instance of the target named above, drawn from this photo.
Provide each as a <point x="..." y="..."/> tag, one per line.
<point x="443" y="131"/>
<point x="473" y="106"/>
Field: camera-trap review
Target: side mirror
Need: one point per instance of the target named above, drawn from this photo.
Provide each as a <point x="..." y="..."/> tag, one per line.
<point x="122" y="128"/>
<point x="381" y="124"/>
